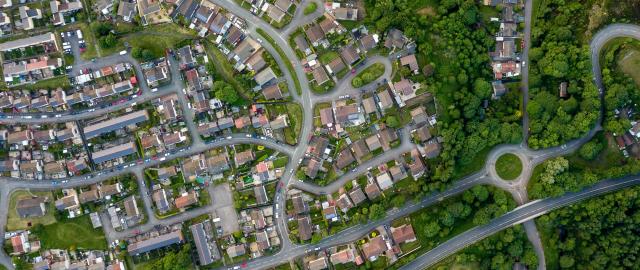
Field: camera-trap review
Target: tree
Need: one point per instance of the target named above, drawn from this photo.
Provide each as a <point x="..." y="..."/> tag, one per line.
<point x="357" y="82"/>
<point x="376" y="212"/>
<point x="566" y="261"/>
<point x="590" y="150"/>
<point x="225" y="92"/>
<point x="432" y="229"/>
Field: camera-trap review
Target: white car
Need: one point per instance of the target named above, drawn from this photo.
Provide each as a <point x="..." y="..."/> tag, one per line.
<point x="228" y="137"/>
<point x="154" y="89"/>
<point x="28" y="117"/>
<point x="248" y="135"/>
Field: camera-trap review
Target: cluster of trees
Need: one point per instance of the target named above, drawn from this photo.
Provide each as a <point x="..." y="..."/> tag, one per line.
<point x="172" y="260"/>
<point x="621" y="91"/>
<point x="455" y="42"/>
<point x="557" y="56"/>
<point x="105" y="34"/>
<point x="601" y="233"/>
<point x="500" y="251"/>
<point x="479" y="205"/>
<point x="143" y="54"/>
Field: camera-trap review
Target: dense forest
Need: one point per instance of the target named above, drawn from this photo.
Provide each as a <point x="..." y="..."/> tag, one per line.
<point x="452" y="38"/>
<point x="560" y="54"/>
<point x="500" y="251"/>
<point x="601" y="233"/>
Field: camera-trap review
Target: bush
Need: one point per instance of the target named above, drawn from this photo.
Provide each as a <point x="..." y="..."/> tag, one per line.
<point x="590" y="150"/>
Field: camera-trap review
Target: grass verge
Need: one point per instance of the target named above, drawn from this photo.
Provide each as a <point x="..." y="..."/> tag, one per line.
<point x="508" y="166"/>
<point x="284" y="57"/>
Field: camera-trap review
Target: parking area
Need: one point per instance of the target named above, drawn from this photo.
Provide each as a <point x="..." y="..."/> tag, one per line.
<point x="223" y="205"/>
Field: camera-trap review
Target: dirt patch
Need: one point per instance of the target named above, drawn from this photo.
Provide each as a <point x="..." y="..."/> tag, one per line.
<point x="630" y="64"/>
<point x="427" y="11"/>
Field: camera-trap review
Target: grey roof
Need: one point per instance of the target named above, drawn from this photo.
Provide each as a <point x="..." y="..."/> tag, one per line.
<point x="157" y="242"/>
<point x="115" y="123"/>
<point x="114" y="152"/>
<point x="200" y="238"/>
<point x="21" y="43"/>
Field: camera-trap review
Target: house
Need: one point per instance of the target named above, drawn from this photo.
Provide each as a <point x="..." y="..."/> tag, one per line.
<point x="329" y="212"/>
<point x="234" y="35"/>
<point x="498" y="89"/>
<point x="395" y="39"/>
<point x="373" y="143"/>
<point x="346" y="14"/>
<point x="563" y="90"/>
<point x="150" y="141"/>
<point x="173" y="138"/>
<point x="419" y="115"/>
<point x="326" y="116"/>
<point x="157" y="242"/>
<point x="131" y="207"/>
<point x="218" y="163"/>
<point x="335" y="66"/>
<point x="280" y="122"/>
<point x="313" y="166"/>
<point x="385" y="100"/>
<point x="200" y="236"/>
<point x="147" y="8"/>
<point x="349" y="115"/>
<point x="264" y="76"/>
<point x="203" y="14"/>
<point x="45" y="38"/>
<point x="157" y="74"/>
<point x="186" y="57"/>
<point x="165" y="173"/>
<point x="397" y="173"/>
<point x="69" y="202"/>
<point x="272" y="92"/>
<point x="242" y="158"/>
<point x="329" y="25"/>
<point x="20" y="243"/>
<point x="403" y="234"/>
<point x="186" y="9"/>
<point x="387" y="136"/>
<point x="349" y="54"/>
<point x="423" y="133"/>
<point x="301" y="44"/>
<point x="299" y="205"/>
<point x="374" y="248"/>
<point x="246" y="49"/>
<point x="275" y="13"/>
<point x="369" y="42"/>
<point x="89" y="196"/>
<point x="318" y="264"/>
<point x="384" y="180"/>
<point x="236" y="250"/>
<point x="411" y="62"/>
<point x="345" y="256"/>
<point x="304" y="228"/>
<point x="219" y="24"/>
<point x="188" y="199"/>
<point x="114" y="124"/>
<point x="431" y="149"/>
<point x="261" y="194"/>
<point x="114" y="152"/>
<point x="344" y="159"/>
<point x="416" y="167"/>
<point x="283" y="5"/>
<point x="76" y="166"/>
<point x="344" y="203"/>
<point x="160" y="199"/>
<point x="31" y="207"/>
<point x="110" y="190"/>
<point x="27" y="15"/>
<point x="369" y="105"/>
<point x="357" y="196"/>
<point x="256" y="62"/>
<point x="315" y="35"/>
<point x="320" y="75"/>
<point x="359" y="149"/>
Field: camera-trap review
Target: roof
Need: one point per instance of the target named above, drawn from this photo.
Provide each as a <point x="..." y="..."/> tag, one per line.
<point x="301" y="42"/>
<point x="186" y="8"/>
<point x="202" y="246"/>
<point x="131" y="207"/>
<point x="346" y="113"/>
<point x="320" y="75"/>
<point x="314" y="33"/>
<point x="374" y="247"/>
<point x="344" y="203"/>
<point x="186" y="200"/>
<point x="410" y="60"/>
<point x="312" y="167"/>
<point x="359" y="148"/>
<point x="384" y="180"/>
<point x="328" y="25"/>
<point x="373" y="143"/>
<point x="368" y="42"/>
<point x="304" y="228"/>
<point x="387" y="136"/>
<point x="114" y="152"/>
<point x="234" y="35"/>
<point x="160" y="199"/>
<point x="246" y="48"/>
<point x="155" y="243"/>
<point x="344" y="256"/>
<point x="342" y="13"/>
<point x="349" y="54"/>
<point x="115" y="123"/>
<point x="147" y="7"/>
<point x="109" y="190"/>
<point x="89" y="196"/>
<point x="284" y="5"/>
<point x="403" y="233"/>
<point x="243" y="157"/>
<point x="264" y="76"/>
<point x="25" y="42"/>
<point x="318" y="264"/>
<point x="326" y="116"/>
<point x="275" y="13"/>
<point x="336" y="65"/>
<point x="386" y="101"/>
<point x="272" y="92"/>
<point x="423" y="133"/>
<point x="31" y="207"/>
<point x="317" y="145"/>
<point x="236" y="250"/>
<point x="218" y="23"/>
<point x="372" y="190"/>
<point x="357" y="196"/>
<point x="299" y="205"/>
<point x="344" y="159"/>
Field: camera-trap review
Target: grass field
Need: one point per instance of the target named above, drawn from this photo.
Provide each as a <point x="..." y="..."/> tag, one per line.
<point x="509" y="166"/>
<point x="629" y="63"/>
<point x="14" y="222"/>
<point x="77" y="232"/>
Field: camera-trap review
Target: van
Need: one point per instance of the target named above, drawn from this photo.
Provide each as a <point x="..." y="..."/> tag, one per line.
<point x="123" y="52"/>
<point x="79" y="34"/>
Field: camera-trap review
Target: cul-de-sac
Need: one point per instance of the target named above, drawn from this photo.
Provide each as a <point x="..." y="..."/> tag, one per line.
<point x="317" y="134"/>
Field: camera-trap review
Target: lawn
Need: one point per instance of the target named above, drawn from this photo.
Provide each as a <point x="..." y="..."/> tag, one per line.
<point x="310" y="8"/>
<point x="14" y="222"/>
<point x="368" y="75"/>
<point x="328" y="57"/>
<point x="509" y="166"/>
<point x="630" y="64"/>
<point x="52" y="83"/>
<point x="284" y="57"/>
<point x="77" y="232"/>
